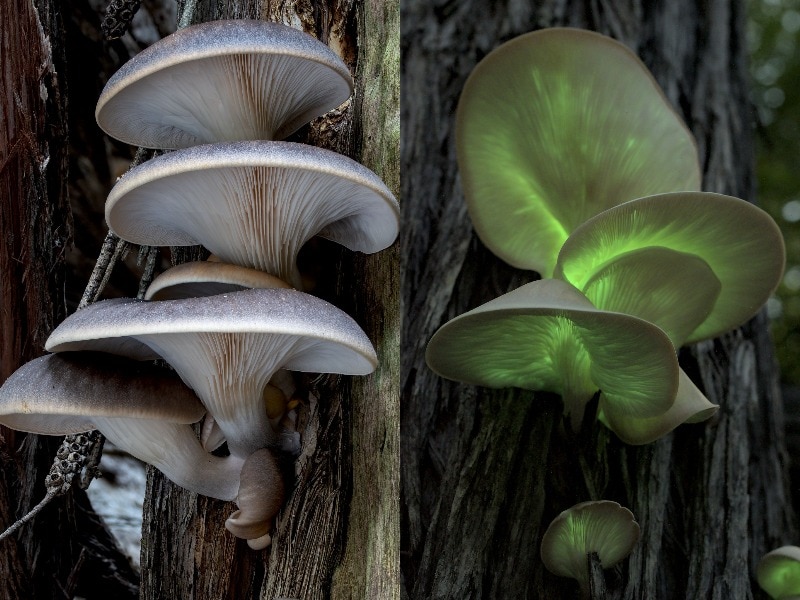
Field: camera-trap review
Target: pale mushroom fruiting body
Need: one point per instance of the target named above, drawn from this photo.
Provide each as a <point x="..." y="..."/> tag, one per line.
<point x="778" y="573"/>
<point x="227" y="347"/>
<point x="603" y="527"/>
<point x="222" y="80"/>
<point x="695" y="263"/>
<point x="208" y="278"/>
<point x="254" y="204"/>
<point x="547" y="336"/>
<point x="556" y="126"/>
<point x="144" y="410"/>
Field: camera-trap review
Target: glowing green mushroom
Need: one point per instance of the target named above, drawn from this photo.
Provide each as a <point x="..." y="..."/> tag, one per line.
<point x="697" y="264"/>
<point x="547" y="336"/>
<point x="603" y="527"/>
<point x="778" y="573"/>
<point x="556" y="126"/>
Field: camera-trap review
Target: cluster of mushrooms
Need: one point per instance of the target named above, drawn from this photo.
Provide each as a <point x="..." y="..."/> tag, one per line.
<point x="218" y="94"/>
<point x="574" y="165"/>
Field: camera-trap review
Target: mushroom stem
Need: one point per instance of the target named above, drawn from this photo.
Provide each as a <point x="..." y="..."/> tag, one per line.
<point x="174" y="449"/>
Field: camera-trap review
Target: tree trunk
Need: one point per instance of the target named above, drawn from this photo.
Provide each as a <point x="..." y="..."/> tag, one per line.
<point x="53" y="557"/>
<point x="484" y="472"/>
<point x="338" y="534"/>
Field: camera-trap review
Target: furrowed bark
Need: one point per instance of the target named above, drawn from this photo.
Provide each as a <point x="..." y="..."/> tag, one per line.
<point x="485" y="471"/>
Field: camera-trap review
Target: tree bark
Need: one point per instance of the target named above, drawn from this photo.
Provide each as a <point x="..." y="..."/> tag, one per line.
<point x="52" y="557"/>
<point x="342" y="508"/>
<point x="484" y="472"/>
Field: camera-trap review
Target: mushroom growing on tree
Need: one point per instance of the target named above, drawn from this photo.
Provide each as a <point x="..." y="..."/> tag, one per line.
<point x="602" y="527"/>
<point x="208" y="278"/>
<point x="254" y="204"/>
<point x="547" y="336"/>
<point x="695" y="263"/>
<point x="778" y="573"/>
<point x="146" y="411"/>
<point x="226" y="348"/>
<point x="556" y="126"/>
<point x="220" y="81"/>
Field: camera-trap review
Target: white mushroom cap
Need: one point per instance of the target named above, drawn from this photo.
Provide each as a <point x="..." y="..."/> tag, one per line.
<point x="204" y="278"/>
<point x="142" y="409"/>
<point x="226" y="347"/>
<point x="778" y="573"/>
<point x="254" y="204"/>
<point x="600" y="526"/>
<point x="221" y="81"/>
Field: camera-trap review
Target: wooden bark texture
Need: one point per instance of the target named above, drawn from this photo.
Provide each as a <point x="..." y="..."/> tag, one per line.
<point x="484" y="472"/>
<point x="342" y="509"/>
<point x="66" y="547"/>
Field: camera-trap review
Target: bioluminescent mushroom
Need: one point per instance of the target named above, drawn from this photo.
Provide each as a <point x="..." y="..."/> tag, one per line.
<point x="226" y="348"/>
<point x="697" y="264"/>
<point x="603" y="527"/>
<point x="254" y="204"/>
<point x="778" y="573"/>
<point x="547" y="336"/>
<point x="222" y="81"/>
<point x="208" y="278"/>
<point x="556" y="126"/>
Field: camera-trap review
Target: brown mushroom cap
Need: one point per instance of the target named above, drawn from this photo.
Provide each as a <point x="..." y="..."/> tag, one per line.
<point x="254" y="204"/>
<point x="142" y="409"/>
<point x="226" y="347"/>
<point x="62" y="394"/>
<point x="208" y="278"/>
<point x="221" y="81"/>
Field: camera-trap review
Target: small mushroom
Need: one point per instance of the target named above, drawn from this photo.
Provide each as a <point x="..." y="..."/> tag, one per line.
<point x="547" y="336"/>
<point x="257" y="509"/>
<point x="208" y="278"/>
<point x="556" y="126"/>
<point x="222" y="81"/>
<point x="226" y="348"/>
<point x="601" y="526"/>
<point x="720" y="255"/>
<point x="254" y="204"/>
<point x="142" y="409"/>
<point x="778" y="573"/>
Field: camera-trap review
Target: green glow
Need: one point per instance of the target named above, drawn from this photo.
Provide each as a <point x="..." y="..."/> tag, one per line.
<point x="673" y="290"/>
<point x="603" y="527"/>
<point x="778" y="573"/>
<point x="555" y="127"/>
<point x="546" y="336"/>
<point x="740" y="243"/>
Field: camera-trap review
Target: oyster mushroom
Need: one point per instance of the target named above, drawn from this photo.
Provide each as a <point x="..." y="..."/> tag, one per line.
<point x="208" y="278"/>
<point x="720" y="255"/>
<point x="556" y="126"/>
<point x="142" y="409"/>
<point x="221" y="81"/>
<point x="226" y="348"/>
<point x="603" y="527"/>
<point x="778" y="573"/>
<point x="254" y="204"/>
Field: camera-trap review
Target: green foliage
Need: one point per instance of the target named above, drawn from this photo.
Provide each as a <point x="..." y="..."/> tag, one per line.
<point x="774" y="38"/>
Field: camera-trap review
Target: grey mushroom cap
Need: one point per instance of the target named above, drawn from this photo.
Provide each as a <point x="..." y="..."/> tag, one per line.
<point x="142" y="409"/>
<point x="222" y="80"/>
<point x="226" y="347"/>
<point x="204" y="278"/>
<point x="60" y="394"/>
<point x="254" y="204"/>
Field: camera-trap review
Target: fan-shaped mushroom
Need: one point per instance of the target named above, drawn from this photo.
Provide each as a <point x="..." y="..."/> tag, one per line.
<point x="602" y="526"/>
<point x="226" y="347"/>
<point x="254" y="204"/>
<point x="556" y="126"/>
<point x="221" y="81"/>
<point x="721" y="255"/>
<point x="778" y="573"/>
<point x="208" y="278"/>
